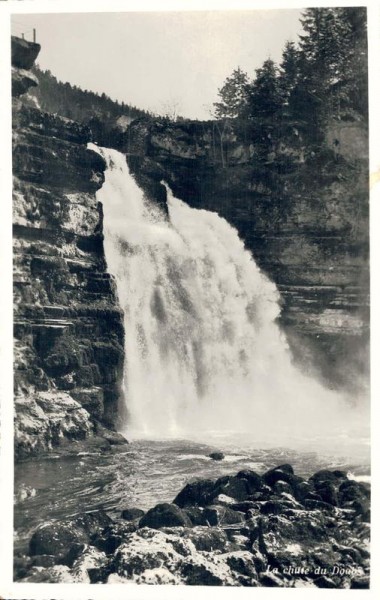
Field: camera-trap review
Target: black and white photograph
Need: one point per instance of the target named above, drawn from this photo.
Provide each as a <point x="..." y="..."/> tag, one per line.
<point x="191" y="297"/>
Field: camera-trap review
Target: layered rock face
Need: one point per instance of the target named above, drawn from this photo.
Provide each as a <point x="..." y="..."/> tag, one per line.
<point x="68" y="325"/>
<point x="302" y="209"/>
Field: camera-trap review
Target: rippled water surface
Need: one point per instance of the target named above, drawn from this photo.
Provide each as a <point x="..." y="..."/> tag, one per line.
<point x="146" y="472"/>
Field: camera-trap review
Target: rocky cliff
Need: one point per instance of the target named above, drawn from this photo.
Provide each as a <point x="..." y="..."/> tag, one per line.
<point x="68" y="325"/>
<point x="300" y="205"/>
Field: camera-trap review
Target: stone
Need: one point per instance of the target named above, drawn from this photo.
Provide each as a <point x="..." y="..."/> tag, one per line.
<point x="325" y="475"/>
<point x="44" y="419"/>
<point x="351" y="490"/>
<point x="207" y="539"/>
<point x="282" y="473"/>
<point x="282" y="486"/>
<point x="254" y="481"/>
<point x="222" y="515"/>
<point x="245" y="506"/>
<point x="165" y="515"/>
<point x="196" y="493"/>
<point x="319" y="505"/>
<point x="112" y="536"/>
<point x="130" y="514"/>
<point x="217" y="455"/>
<point x="58" y="538"/>
<point x="196" y="515"/>
<point x="93" y="561"/>
<point x="21" y="566"/>
<point x="112" y="437"/>
<point x="242" y="562"/>
<point x="55" y="574"/>
<point x="234" y="487"/>
<point x="327" y="491"/>
<point x="273" y="507"/>
<point x="55" y="539"/>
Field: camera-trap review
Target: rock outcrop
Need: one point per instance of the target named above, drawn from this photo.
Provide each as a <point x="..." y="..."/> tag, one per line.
<point x="272" y="530"/>
<point x="68" y="325"/>
<point x="302" y="209"/>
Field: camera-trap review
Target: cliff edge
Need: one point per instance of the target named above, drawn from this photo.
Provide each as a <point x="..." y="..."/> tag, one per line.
<point x="67" y="323"/>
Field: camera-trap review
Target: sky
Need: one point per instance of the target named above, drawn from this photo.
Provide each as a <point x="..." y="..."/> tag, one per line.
<point x="158" y="61"/>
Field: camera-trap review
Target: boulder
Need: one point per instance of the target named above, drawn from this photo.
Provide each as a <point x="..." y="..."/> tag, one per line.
<point x="327" y="475"/>
<point x="43" y="560"/>
<point x="113" y="535"/>
<point x="196" y="493"/>
<point x="217" y="455"/>
<point x="196" y="515"/>
<point x="58" y="538"/>
<point x="165" y="515"/>
<point x="149" y="556"/>
<point x="234" y="487"/>
<point x="328" y="492"/>
<point x="319" y="505"/>
<point x="274" y="507"/>
<point x="282" y="473"/>
<point x="352" y="490"/>
<point x="222" y="515"/>
<point x="207" y="539"/>
<point x="255" y="482"/>
<point x="130" y="514"/>
<point x="245" y="506"/>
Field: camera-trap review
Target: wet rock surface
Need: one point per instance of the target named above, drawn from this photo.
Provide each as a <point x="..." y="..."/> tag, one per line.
<point x="273" y="540"/>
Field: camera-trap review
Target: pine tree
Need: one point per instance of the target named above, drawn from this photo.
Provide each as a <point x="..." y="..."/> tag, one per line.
<point x="354" y="63"/>
<point x="265" y="97"/>
<point x="289" y="71"/>
<point x="233" y="95"/>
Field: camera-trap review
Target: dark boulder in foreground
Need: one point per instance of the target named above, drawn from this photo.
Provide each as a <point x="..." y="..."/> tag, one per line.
<point x="59" y="538"/>
<point x="130" y="514"/>
<point x="165" y="515"/>
<point x="198" y="493"/>
<point x="269" y="530"/>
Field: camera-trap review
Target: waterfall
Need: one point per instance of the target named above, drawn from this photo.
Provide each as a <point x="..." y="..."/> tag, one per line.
<point x="204" y="352"/>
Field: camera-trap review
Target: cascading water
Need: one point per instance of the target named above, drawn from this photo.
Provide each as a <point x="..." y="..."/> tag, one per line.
<point x="203" y="350"/>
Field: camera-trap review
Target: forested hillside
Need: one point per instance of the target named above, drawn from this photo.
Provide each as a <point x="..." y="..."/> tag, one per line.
<point x="105" y="117"/>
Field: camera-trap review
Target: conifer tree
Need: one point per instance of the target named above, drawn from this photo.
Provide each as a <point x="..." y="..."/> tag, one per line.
<point x="265" y="95"/>
<point x="289" y="71"/>
<point x="233" y="95"/>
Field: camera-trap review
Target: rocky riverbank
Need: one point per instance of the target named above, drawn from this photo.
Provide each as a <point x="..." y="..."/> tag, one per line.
<point x="274" y="529"/>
